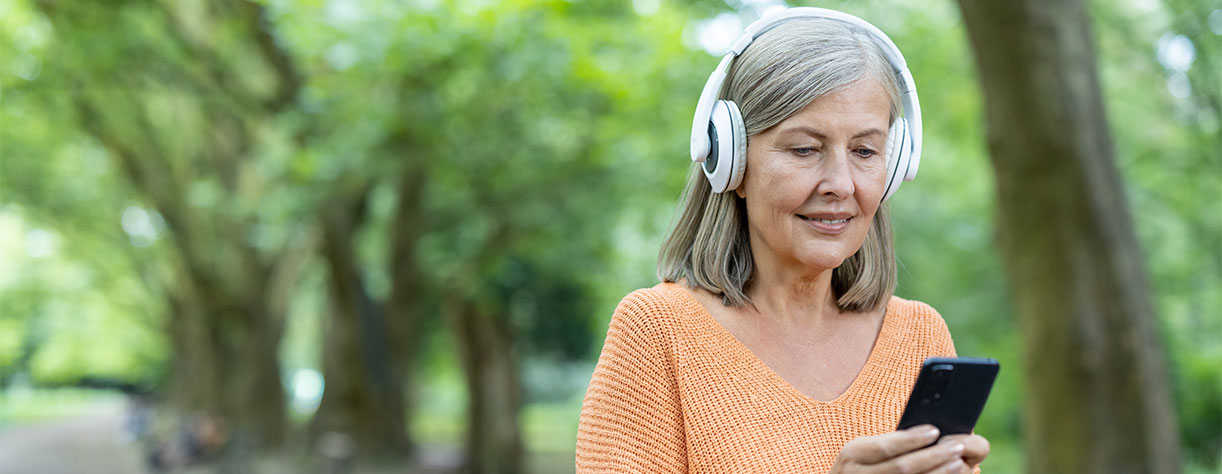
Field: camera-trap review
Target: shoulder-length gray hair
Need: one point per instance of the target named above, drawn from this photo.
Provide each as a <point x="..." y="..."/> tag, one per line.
<point x="782" y="71"/>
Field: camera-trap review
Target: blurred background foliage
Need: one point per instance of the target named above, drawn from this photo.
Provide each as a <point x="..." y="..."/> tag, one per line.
<point x="290" y="216"/>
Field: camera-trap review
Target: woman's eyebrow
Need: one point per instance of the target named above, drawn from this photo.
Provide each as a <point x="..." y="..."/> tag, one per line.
<point x="804" y="129"/>
<point x="817" y="134"/>
<point x="868" y="132"/>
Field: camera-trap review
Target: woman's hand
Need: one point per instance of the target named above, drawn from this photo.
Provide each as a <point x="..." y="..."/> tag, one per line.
<point x="975" y="447"/>
<point x="909" y="452"/>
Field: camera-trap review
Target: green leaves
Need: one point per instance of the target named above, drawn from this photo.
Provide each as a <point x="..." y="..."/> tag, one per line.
<point x="549" y="139"/>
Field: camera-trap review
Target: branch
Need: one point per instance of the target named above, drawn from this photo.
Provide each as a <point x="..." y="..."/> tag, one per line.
<point x="290" y="79"/>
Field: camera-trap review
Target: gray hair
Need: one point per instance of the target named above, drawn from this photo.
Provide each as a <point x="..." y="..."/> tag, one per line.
<point x="780" y="73"/>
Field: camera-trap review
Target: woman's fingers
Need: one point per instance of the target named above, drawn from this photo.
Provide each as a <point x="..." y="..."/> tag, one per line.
<point x="976" y="448"/>
<point x="885" y="447"/>
<point x="939" y="458"/>
<point x="910" y="451"/>
<point x="954" y="467"/>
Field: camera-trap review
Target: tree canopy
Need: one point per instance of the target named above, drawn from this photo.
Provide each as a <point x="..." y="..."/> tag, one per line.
<point x="440" y="203"/>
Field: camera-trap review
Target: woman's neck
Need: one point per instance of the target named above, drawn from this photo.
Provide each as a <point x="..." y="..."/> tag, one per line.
<point x="792" y="295"/>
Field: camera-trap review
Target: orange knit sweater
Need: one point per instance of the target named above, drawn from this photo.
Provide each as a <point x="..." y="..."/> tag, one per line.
<point x="674" y="391"/>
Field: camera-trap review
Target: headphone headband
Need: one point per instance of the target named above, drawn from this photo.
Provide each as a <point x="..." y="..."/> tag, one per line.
<point x="700" y="145"/>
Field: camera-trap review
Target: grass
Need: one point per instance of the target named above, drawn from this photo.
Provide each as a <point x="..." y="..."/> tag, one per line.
<point x="23" y="406"/>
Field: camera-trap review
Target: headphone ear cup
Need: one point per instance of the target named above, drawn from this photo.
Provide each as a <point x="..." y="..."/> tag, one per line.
<point x="727" y="158"/>
<point x="898" y="156"/>
<point x="739" y="129"/>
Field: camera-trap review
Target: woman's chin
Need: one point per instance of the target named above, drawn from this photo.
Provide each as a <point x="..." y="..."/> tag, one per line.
<point x="822" y="263"/>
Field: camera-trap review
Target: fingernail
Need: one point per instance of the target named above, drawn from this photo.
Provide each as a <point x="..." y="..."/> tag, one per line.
<point x="931" y="432"/>
<point x="956" y="448"/>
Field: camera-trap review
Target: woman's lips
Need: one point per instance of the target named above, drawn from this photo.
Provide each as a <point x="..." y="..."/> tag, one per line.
<point x="827" y="224"/>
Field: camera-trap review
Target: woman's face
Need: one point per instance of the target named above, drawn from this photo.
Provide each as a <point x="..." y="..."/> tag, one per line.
<point x="814" y="181"/>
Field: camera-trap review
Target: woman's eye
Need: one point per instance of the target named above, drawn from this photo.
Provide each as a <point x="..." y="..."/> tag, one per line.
<point x="803" y="151"/>
<point x="865" y="152"/>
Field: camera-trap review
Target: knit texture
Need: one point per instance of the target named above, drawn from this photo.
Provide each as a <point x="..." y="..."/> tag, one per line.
<point x="674" y="391"/>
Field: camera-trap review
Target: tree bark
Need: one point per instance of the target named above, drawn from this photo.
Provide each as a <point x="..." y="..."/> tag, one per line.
<point x="402" y="307"/>
<point x="257" y="403"/>
<point x="363" y="397"/>
<point x="369" y="350"/>
<point x="194" y="354"/>
<point x="1098" y="397"/>
<point x="225" y="363"/>
<point x="228" y="370"/>
<point x="494" y="444"/>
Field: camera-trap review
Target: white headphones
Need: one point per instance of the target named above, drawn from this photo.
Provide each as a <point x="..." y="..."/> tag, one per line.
<point x="719" y="138"/>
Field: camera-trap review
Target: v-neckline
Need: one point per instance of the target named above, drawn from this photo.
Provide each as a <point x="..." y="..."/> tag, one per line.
<point x="871" y="366"/>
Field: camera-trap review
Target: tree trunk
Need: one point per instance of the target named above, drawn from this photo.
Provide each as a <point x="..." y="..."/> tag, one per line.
<point x="377" y="391"/>
<point x="363" y="397"/>
<point x="257" y="405"/>
<point x="1098" y="397"/>
<point x="224" y="325"/>
<point x="194" y="363"/>
<point x="226" y="372"/>
<point x="225" y="366"/>
<point x="402" y="307"/>
<point x="494" y="443"/>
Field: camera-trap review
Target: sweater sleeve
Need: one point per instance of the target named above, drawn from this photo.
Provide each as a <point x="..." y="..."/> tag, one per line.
<point x="631" y="419"/>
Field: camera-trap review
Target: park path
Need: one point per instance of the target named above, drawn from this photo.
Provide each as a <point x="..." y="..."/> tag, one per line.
<point x="96" y="444"/>
<point x="92" y="444"/>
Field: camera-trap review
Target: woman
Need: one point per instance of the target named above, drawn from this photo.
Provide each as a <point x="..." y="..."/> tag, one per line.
<point x="774" y="343"/>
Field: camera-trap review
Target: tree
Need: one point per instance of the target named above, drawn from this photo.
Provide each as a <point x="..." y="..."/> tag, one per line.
<point x="1098" y="398"/>
<point x="175" y="116"/>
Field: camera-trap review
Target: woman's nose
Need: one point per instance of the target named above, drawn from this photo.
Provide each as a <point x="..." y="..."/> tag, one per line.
<point x="835" y="178"/>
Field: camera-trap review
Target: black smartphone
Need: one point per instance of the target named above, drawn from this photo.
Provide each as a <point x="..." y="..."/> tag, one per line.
<point x="950" y="393"/>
